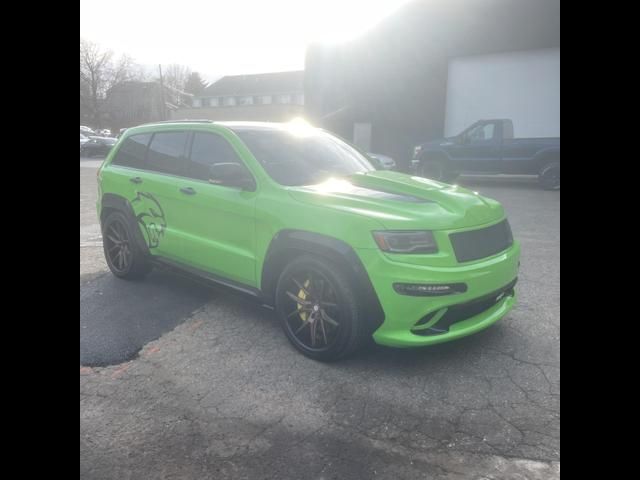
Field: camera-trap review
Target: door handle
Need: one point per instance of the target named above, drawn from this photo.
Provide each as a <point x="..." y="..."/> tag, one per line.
<point x="135" y="180"/>
<point x="188" y="191"/>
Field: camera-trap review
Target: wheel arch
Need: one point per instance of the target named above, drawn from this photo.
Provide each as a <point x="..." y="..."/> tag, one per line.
<point x="288" y="244"/>
<point x="112" y="202"/>
<point x="547" y="155"/>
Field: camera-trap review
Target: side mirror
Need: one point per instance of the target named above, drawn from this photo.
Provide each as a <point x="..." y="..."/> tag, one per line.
<point x="231" y="174"/>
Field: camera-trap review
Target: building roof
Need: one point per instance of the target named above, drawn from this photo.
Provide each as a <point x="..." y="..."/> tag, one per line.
<point x="256" y="84"/>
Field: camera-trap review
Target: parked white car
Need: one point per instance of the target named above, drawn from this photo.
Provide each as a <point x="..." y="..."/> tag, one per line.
<point x="386" y="163"/>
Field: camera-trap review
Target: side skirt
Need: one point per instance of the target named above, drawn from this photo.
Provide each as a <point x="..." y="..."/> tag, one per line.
<point x="211" y="279"/>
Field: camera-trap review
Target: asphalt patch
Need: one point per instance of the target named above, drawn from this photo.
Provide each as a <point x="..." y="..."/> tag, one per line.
<point x="118" y="317"/>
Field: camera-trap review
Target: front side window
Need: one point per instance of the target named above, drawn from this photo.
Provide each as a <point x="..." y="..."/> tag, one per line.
<point x="208" y="149"/>
<point x="132" y="151"/>
<point x="166" y="152"/>
<point x="293" y="159"/>
<point x="481" y="133"/>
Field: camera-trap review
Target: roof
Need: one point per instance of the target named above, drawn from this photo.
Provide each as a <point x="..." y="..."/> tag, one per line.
<point x="260" y="83"/>
<point x="231" y="125"/>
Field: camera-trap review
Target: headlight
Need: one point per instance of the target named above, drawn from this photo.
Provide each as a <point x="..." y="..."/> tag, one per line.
<point x="417" y="241"/>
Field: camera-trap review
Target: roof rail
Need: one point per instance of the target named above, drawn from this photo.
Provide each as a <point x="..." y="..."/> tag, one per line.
<point x="185" y="120"/>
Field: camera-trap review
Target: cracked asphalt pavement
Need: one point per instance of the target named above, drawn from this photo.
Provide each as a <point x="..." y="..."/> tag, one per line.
<point x="181" y="381"/>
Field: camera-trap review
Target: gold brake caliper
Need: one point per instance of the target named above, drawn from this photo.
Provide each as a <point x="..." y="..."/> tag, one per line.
<point x="303" y="296"/>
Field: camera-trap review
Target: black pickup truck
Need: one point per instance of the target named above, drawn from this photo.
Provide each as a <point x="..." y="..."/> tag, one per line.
<point x="488" y="147"/>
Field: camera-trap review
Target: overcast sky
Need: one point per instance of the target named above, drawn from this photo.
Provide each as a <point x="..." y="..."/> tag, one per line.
<point x="222" y="37"/>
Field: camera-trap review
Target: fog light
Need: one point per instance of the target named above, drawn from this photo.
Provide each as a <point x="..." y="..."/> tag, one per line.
<point x="429" y="290"/>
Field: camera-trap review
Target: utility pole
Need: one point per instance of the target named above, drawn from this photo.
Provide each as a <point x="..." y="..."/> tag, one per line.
<point x="162" y="111"/>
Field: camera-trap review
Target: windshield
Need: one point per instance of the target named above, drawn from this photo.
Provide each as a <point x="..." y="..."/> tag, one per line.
<point x="308" y="159"/>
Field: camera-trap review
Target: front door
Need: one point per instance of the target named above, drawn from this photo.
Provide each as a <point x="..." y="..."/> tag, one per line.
<point x="218" y="221"/>
<point x="477" y="150"/>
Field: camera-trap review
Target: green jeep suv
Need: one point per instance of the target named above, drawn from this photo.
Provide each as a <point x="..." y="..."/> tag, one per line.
<point x="300" y="219"/>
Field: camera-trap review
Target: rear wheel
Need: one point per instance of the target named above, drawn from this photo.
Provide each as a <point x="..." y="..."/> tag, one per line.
<point x="124" y="257"/>
<point x="549" y="176"/>
<point x="318" y="309"/>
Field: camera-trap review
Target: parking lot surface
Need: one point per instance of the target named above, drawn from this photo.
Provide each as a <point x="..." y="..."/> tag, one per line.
<point x="182" y="381"/>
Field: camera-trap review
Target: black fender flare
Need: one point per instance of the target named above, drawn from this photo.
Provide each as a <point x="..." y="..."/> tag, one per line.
<point x="111" y="201"/>
<point x="286" y="243"/>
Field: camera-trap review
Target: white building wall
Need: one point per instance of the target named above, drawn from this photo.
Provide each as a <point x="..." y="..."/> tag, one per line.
<point x="523" y="86"/>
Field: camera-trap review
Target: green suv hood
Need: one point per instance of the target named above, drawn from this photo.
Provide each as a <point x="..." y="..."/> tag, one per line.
<point x="400" y="201"/>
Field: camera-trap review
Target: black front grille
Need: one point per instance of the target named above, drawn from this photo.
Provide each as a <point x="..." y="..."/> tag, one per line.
<point x="481" y="243"/>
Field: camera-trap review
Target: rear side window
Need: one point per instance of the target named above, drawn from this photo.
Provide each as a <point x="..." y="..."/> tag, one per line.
<point x="166" y="153"/>
<point x="131" y="153"/>
<point x="208" y="149"/>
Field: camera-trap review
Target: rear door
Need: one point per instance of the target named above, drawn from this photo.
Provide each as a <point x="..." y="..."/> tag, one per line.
<point x="157" y="201"/>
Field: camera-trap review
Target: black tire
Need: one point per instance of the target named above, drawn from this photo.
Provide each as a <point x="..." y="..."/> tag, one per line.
<point x="436" y="169"/>
<point x="331" y="297"/>
<point x="549" y="176"/>
<point x="124" y="256"/>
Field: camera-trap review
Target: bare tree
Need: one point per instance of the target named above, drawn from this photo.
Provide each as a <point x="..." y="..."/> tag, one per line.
<point x="176" y="76"/>
<point x="175" y="79"/>
<point x="99" y="72"/>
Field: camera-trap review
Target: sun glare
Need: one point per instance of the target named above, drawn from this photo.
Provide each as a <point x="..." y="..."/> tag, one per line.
<point x="299" y="127"/>
<point x="246" y="36"/>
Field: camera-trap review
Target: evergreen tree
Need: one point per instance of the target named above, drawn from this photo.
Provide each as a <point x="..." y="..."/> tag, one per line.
<point x="194" y="85"/>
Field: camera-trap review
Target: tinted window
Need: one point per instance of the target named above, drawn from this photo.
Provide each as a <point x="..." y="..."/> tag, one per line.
<point x="166" y="152"/>
<point x="293" y="159"/>
<point x="131" y="153"/>
<point x="206" y="150"/>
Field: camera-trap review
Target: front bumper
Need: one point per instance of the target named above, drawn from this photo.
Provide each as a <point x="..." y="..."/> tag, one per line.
<point x="402" y="312"/>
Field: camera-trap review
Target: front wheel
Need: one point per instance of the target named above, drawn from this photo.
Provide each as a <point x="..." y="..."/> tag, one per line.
<point x="318" y="309"/>
<point x="549" y="176"/>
